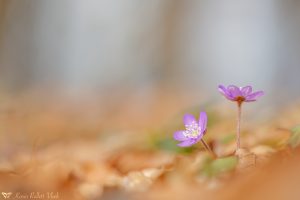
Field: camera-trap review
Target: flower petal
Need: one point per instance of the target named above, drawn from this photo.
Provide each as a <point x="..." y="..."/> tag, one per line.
<point x="222" y="89"/>
<point x="202" y="121"/>
<point x="254" y="96"/>
<point x="225" y="92"/>
<point x="200" y="136"/>
<point x="188" y="119"/>
<point x="178" y="135"/>
<point x="234" y="91"/>
<point x="187" y="143"/>
<point x="246" y="90"/>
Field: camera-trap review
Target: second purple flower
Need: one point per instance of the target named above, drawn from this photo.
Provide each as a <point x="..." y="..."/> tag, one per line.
<point x="239" y="94"/>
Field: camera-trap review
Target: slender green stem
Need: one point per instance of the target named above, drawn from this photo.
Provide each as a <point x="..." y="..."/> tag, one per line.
<point x="238" y="132"/>
<point x="208" y="148"/>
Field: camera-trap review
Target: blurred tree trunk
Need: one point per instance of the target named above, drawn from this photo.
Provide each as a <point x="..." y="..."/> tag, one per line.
<point x="287" y="75"/>
<point x="87" y="43"/>
<point x="16" y="48"/>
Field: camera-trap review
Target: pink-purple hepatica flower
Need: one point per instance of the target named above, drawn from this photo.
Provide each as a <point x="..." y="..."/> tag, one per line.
<point x="240" y="94"/>
<point x="194" y="130"/>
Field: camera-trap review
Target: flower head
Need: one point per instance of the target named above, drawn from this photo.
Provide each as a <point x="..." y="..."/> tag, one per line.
<point x="239" y="94"/>
<point x="194" y="130"/>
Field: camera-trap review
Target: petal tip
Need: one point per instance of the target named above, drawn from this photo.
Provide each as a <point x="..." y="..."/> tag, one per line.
<point x="186" y="143"/>
<point x="179" y="136"/>
<point x="188" y="119"/>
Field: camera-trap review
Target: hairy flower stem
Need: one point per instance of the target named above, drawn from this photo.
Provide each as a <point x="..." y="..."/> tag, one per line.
<point x="238" y="132"/>
<point x="208" y="148"/>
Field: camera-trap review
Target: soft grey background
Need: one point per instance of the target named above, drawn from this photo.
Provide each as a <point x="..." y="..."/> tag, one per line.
<point x="196" y="44"/>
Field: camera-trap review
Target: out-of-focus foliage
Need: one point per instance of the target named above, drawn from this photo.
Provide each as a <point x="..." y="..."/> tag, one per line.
<point x="227" y="138"/>
<point x="213" y="168"/>
<point x="294" y="140"/>
<point x="169" y="144"/>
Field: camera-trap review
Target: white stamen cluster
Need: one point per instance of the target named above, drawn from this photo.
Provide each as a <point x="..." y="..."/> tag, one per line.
<point x="192" y="130"/>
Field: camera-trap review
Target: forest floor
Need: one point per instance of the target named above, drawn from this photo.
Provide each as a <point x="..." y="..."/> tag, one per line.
<point x="54" y="149"/>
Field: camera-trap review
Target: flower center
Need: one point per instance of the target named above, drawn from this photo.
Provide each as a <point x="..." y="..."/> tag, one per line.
<point x="240" y="99"/>
<point x="192" y="130"/>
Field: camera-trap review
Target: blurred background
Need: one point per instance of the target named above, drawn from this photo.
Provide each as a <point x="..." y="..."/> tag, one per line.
<point x="140" y="54"/>
<point x="80" y="45"/>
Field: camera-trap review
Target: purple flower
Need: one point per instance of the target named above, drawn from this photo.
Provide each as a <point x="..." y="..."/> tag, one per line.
<point x="240" y="94"/>
<point x="194" y="130"/>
